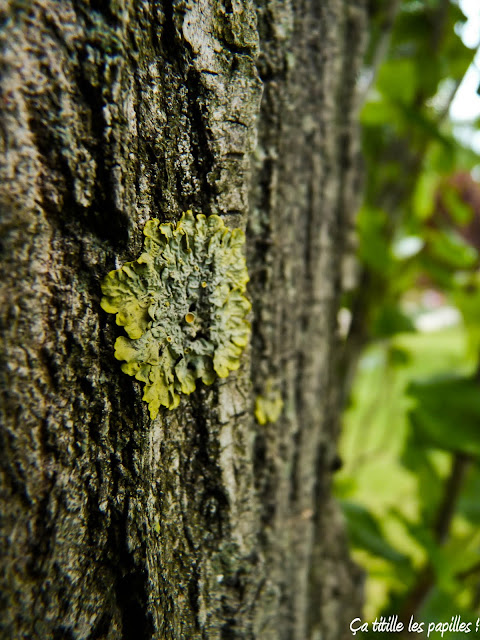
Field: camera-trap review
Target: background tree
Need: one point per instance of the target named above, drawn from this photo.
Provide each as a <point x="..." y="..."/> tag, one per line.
<point x="201" y="523"/>
<point x="411" y="475"/>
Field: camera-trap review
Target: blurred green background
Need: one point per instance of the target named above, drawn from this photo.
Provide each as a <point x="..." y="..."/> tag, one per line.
<point x="410" y="322"/>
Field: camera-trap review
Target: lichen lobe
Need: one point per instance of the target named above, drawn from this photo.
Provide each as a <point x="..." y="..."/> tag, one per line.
<point x="182" y="305"/>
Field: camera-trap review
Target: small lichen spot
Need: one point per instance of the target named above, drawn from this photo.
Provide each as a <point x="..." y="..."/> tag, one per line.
<point x="269" y="405"/>
<point x="168" y="347"/>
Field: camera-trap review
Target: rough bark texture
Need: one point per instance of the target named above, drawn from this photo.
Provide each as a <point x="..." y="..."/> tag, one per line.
<point x="201" y="523"/>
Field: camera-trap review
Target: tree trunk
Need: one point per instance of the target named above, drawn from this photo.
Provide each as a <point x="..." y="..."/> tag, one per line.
<point x="200" y="523"/>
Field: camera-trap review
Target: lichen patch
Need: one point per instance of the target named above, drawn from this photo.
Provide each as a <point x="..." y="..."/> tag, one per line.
<point x="182" y="305"/>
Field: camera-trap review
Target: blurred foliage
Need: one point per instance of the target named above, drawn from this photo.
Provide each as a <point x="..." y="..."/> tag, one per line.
<point x="410" y="485"/>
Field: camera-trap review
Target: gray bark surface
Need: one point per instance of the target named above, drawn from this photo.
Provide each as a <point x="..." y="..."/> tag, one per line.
<point x="201" y="524"/>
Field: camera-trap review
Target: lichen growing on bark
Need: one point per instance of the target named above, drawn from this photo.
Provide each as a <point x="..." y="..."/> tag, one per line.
<point x="268" y="405"/>
<point x="182" y="305"/>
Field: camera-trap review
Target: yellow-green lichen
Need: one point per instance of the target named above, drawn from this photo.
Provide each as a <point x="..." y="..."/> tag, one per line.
<point x="269" y="405"/>
<point x="182" y="305"/>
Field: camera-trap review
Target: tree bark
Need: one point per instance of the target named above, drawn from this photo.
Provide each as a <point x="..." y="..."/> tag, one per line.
<point x="201" y="523"/>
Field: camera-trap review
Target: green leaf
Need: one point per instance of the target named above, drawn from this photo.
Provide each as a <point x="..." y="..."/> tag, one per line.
<point x="373" y="250"/>
<point x="441" y="607"/>
<point x="469" y="504"/>
<point x="398" y="357"/>
<point x="423" y="198"/>
<point x="378" y="112"/>
<point x="447" y="413"/>
<point x="418" y="458"/>
<point x="467" y="300"/>
<point x="397" y="79"/>
<point x="365" y="533"/>
<point x="449" y="247"/>
<point x="391" y="320"/>
<point x="460" y="211"/>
